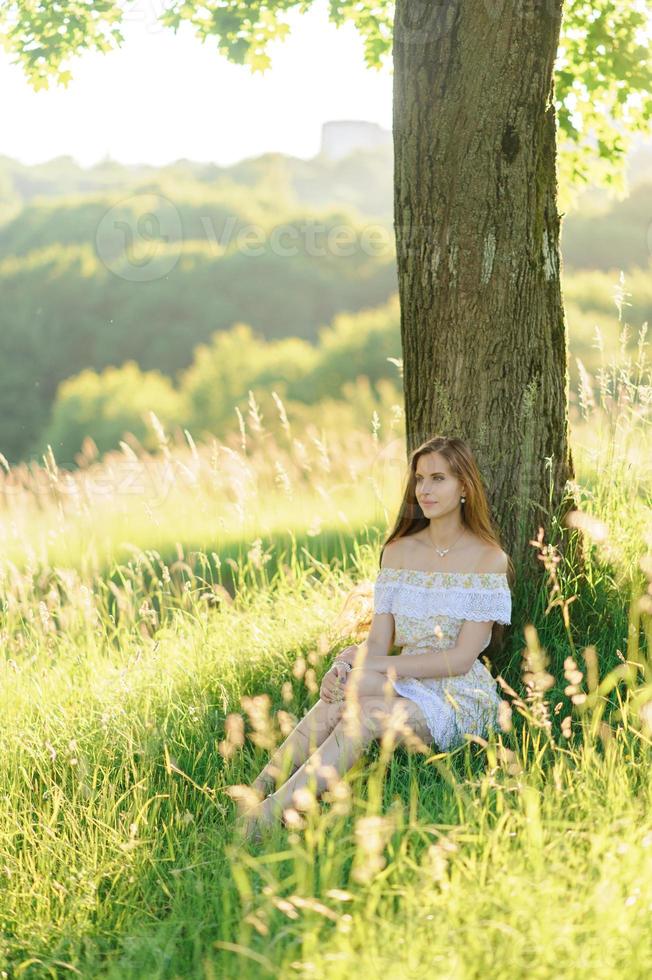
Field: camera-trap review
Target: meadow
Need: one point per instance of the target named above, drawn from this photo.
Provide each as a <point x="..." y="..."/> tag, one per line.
<point x="167" y="616"/>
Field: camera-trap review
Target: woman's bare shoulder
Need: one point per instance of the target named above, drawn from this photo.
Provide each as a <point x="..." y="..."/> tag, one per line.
<point x="477" y="555"/>
<point x="491" y="558"/>
<point x="393" y="554"/>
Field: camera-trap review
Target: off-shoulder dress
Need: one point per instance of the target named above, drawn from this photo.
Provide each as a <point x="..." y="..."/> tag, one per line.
<point x="429" y="609"/>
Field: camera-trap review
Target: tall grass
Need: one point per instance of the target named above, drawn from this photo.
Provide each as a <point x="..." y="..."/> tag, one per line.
<point x="136" y="695"/>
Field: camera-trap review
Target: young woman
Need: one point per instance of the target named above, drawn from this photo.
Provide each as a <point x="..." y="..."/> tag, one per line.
<point x="442" y="589"/>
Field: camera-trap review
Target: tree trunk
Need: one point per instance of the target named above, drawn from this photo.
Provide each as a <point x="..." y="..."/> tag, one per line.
<point x="477" y="238"/>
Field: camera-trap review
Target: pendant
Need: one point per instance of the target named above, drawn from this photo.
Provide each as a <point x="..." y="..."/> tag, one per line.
<point x="441" y="553"/>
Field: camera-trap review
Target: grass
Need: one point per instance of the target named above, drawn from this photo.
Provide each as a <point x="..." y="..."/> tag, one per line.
<point x="136" y="694"/>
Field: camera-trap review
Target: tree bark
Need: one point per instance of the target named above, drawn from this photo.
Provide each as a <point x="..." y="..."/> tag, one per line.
<point x="477" y="240"/>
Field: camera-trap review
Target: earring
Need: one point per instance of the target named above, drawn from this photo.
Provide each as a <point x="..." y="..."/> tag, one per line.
<point x="462" y="499"/>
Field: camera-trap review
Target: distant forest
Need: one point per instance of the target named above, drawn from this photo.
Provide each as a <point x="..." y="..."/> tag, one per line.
<point x="273" y="273"/>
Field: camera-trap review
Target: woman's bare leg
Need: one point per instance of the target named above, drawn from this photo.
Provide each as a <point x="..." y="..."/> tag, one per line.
<point x="315" y="726"/>
<point x="302" y="741"/>
<point x="340" y="750"/>
<point x="371" y="709"/>
<point x="397" y="719"/>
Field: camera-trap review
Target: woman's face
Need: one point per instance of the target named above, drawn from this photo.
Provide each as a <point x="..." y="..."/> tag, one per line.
<point x="437" y="490"/>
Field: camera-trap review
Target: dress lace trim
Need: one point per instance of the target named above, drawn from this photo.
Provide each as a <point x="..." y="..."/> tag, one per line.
<point x="455" y="706"/>
<point x="477" y="596"/>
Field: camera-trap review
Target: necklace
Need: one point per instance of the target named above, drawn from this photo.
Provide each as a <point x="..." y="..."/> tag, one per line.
<point x="444" y="551"/>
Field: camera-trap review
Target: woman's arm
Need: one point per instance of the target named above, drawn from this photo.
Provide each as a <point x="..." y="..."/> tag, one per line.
<point x="444" y="662"/>
<point x="449" y="662"/>
<point x="382" y="631"/>
<point x="359" y="654"/>
<point x="378" y="643"/>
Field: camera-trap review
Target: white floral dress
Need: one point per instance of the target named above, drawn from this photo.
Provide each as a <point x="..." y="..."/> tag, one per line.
<point x="429" y="609"/>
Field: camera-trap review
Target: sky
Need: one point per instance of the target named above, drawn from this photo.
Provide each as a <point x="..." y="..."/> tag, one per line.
<point x="165" y="96"/>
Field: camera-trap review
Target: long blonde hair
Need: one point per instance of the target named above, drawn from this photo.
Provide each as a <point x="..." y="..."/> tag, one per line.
<point x="357" y="612"/>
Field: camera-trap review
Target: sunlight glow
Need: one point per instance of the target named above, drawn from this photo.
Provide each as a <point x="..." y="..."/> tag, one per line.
<point x="166" y="96"/>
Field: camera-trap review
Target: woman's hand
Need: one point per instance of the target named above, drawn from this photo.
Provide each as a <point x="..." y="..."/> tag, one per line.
<point x="334" y="679"/>
<point x="332" y="685"/>
<point x="348" y="654"/>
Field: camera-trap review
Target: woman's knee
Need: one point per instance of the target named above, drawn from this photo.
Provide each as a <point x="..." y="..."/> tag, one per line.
<point x="393" y="715"/>
<point x="368" y="718"/>
<point x="369" y="684"/>
<point x="326" y="714"/>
